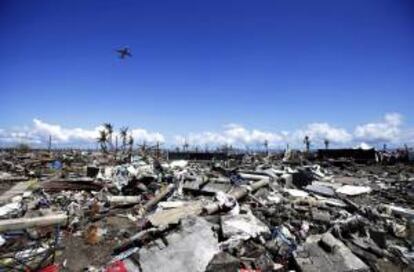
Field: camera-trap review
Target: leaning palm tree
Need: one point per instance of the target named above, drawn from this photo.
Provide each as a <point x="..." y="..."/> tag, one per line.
<point x="109" y="130"/>
<point x="102" y="140"/>
<point x="123" y="132"/>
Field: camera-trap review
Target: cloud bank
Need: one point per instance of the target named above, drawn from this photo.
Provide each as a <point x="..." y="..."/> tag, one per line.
<point x="389" y="129"/>
<point x="40" y="131"/>
<point x="233" y="134"/>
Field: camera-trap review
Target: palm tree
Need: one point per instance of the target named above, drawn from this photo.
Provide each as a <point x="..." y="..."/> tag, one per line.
<point x="102" y="140"/>
<point x="123" y="132"/>
<point x="110" y="130"/>
<point x="326" y="142"/>
<point x="307" y="143"/>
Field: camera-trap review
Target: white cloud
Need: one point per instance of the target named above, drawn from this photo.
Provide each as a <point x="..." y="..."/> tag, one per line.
<point x="40" y="131"/>
<point x="23" y="135"/>
<point x="318" y="132"/>
<point x="394" y="119"/>
<point x="238" y="135"/>
<point x="233" y="134"/>
<point x="387" y="130"/>
<point x="140" y="134"/>
<point x="60" y="134"/>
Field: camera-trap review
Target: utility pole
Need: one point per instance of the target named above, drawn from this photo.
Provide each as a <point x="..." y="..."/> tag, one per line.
<point x="307" y="143"/>
<point x="49" y="147"/>
<point x="266" y="146"/>
<point x="186" y="145"/>
<point x="116" y="146"/>
<point x="157" y="152"/>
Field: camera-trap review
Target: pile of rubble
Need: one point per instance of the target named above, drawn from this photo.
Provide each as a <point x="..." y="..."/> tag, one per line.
<point x="82" y="211"/>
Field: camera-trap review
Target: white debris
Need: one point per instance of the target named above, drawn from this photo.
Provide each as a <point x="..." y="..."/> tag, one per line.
<point x="171" y="204"/>
<point x="242" y="225"/>
<point x="180" y="164"/>
<point x="353" y="190"/>
<point x="228" y="202"/>
<point x="296" y="193"/>
<point x="8" y="208"/>
<point x="17" y="199"/>
<point x="363" y="146"/>
<point x="5" y="175"/>
<point x="274" y="198"/>
<point x="27" y="194"/>
<point x="29" y="252"/>
<point x="2" y="241"/>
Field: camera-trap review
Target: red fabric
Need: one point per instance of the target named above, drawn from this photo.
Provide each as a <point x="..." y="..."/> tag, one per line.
<point x="50" y="268"/>
<point x="117" y="266"/>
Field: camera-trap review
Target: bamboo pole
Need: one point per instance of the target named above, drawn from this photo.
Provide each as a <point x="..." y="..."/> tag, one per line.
<point x="23" y="223"/>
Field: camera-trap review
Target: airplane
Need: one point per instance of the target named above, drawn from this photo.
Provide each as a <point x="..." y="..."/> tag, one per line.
<point x="124" y="52"/>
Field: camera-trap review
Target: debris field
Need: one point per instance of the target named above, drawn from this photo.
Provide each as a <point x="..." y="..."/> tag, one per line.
<point x="74" y="210"/>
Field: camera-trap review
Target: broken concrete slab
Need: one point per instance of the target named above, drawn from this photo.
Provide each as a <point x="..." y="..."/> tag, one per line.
<point x="326" y="253"/>
<point x="173" y="215"/>
<point x="189" y="249"/>
<point x="223" y="262"/>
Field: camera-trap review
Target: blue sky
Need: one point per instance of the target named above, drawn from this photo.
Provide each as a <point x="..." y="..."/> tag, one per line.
<point x="197" y="66"/>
